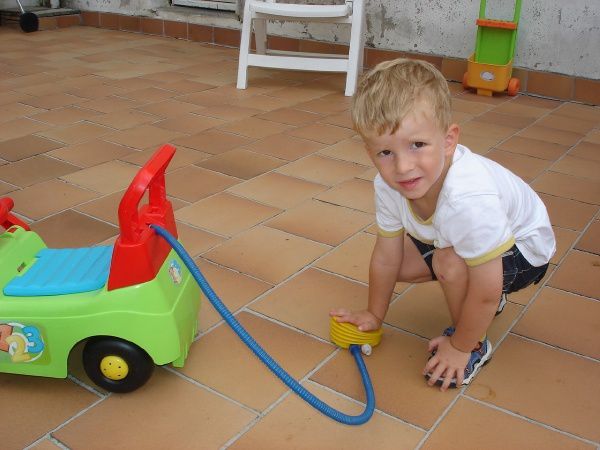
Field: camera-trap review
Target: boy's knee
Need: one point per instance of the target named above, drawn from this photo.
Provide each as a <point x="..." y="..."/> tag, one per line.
<point x="447" y="265"/>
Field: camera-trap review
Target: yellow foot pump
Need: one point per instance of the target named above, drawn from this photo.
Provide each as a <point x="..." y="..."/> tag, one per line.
<point x="346" y="334"/>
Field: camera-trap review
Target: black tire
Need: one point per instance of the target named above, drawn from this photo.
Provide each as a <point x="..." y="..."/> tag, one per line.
<point x="29" y="22"/>
<point x="138" y="363"/>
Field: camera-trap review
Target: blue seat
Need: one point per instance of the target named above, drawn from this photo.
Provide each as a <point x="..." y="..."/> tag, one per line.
<point x="63" y="271"/>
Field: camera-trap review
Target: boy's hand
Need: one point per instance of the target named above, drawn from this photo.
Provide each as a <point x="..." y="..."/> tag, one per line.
<point x="364" y="320"/>
<point x="448" y="362"/>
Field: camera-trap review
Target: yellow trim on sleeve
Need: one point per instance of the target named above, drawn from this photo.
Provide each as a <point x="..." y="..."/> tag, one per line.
<point x="389" y="234"/>
<point x="491" y="255"/>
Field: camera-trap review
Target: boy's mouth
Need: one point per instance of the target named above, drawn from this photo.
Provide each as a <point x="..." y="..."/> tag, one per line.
<point x="409" y="184"/>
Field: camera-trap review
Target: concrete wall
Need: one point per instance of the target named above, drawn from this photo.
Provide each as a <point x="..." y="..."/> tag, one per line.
<point x="561" y="36"/>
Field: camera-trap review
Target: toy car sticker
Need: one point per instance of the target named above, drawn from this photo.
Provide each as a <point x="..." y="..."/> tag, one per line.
<point x="487" y="76"/>
<point x="20" y="343"/>
<point x="175" y="271"/>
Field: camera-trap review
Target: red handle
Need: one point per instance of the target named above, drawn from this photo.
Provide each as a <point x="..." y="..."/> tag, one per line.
<point x="134" y="220"/>
<point x="7" y="220"/>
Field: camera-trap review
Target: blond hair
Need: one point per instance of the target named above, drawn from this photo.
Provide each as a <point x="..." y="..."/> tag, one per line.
<point x="389" y="92"/>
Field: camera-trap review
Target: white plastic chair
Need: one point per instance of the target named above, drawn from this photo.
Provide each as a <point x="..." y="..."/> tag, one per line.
<point x="257" y="12"/>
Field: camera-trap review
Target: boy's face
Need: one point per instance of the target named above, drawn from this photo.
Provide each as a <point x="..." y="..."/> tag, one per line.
<point x="412" y="159"/>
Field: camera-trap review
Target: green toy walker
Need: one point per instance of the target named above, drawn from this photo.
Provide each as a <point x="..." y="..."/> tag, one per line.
<point x="489" y="69"/>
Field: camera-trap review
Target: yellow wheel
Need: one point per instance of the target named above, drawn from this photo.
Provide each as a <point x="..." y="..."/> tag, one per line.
<point x="115" y="364"/>
<point x="114" y="367"/>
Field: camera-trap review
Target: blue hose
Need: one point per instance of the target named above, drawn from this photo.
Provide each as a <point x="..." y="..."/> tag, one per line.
<point x="264" y="356"/>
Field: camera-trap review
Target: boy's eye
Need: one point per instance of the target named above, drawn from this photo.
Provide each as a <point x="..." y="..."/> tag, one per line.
<point x="383" y="153"/>
<point x="418" y="144"/>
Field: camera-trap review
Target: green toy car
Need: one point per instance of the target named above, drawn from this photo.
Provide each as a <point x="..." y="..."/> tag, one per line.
<point x="134" y="304"/>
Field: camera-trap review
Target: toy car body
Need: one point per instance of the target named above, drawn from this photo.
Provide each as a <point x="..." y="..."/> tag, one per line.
<point x="135" y="303"/>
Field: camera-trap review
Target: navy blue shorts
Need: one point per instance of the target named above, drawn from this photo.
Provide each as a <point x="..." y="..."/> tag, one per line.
<point x="518" y="273"/>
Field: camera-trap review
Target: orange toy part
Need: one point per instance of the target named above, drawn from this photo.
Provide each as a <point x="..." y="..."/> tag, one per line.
<point x="139" y="253"/>
<point x="491" y="23"/>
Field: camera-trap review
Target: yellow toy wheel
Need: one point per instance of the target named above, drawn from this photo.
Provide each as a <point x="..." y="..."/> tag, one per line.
<point x="115" y="364"/>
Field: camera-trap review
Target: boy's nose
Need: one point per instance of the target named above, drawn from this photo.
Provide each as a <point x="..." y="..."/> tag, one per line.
<point x="404" y="164"/>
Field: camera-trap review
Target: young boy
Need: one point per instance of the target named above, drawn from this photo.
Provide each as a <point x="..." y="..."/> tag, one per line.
<point x="443" y="213"/>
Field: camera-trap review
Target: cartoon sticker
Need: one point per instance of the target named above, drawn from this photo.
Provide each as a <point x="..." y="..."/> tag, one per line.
<point x="175" y="271"/>
<point x="20" y="343"/>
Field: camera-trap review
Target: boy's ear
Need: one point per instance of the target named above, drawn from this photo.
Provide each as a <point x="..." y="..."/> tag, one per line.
<point x="452" y="137"/>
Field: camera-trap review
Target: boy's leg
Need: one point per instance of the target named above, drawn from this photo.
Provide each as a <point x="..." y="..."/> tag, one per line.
<point x="451" y="271"/>
<point x="416" y="261"/>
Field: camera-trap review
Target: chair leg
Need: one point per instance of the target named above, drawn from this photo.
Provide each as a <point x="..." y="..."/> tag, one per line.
<point x="242" y="79"/>
<point x="355" y="55"/>
<point x="260" y="35"/>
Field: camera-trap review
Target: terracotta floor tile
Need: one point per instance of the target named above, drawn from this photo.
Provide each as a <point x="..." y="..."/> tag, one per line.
<point x="183" y="157"/>
<point x="5" y="188"/>
<point x="321" y="222"/>
<point x="572" y="124"/>
<point x="91" y="153"/>
<point x="121" y="120"/>
<point x="526" y="167"/>
<point x="196" y="241"/>
<point x="214" y="360"/>
<point x="488" y="130"/>
<point x="564" y="320"/>
<point x="422" y="310"/>
<point x="590" y="241"/>
<point x="229" y="112"/>
<point x="593" y="137"/>
<point x="74" y="134"/>
<point x="34" y="170"/>
<point x="204" y="98"/>
<point x="184" y="86"/>
<point x="506" y="120"/>
<point x="290" y="116"/>
<point x="66" y="116"/>
<point x="322" y="170"/>
<point x="521" y="110"/>
<point x="533" y="147"/>
<point x="578" y="273"/>
<point x="567" y="186"/>
<point x="530" y="379"/>
<point x="47" y="402"/>
<point x="241" y="163"/>
<point x="168" y="108"/>
<point x="225" y="214"/>
<point x="71" y="229"/>
<point x="294" y="424"/>
<point x="472" y="108"/>
<point x="105" y="178"/>
<point x="212" y="141"/>
<point x="209" y="420"/>
<point x="478" y="144"/>
<point x="342" y="119"/>
<point x="234" y="289"/>
<point x="355" y="194"/>
<point x="578" y="111"/>
<point x="262" y="102"/>
<point x="189" y="123"/>
<point x="15" y="110"/>
<point x="278" y="190"/>
<point x="351" y="150"/>
<point x="578" y="167"/>
<point x="21" y="127"/>
<point x="149" y="94"/>
<point x="304" y="301"/>
<point x="587" y="150"/>
<point x="142" y="137"/>
<point x="254" y="128"/>
<point x="536" y="102"/>
<point x="26" y="146"/>
<point x="46" y="444"/>
<point x="52" y="101"/>
<point x="43" y="199"/>
<point x="399" y="356"/>
<point x="564" y="242"/>
<point x="550" y="135"/>
<point x="323" y="133"/>
<point x="267" y="254"/>
<point x="111" y="103"/>
<point x="475" y="425"/>
<point x="325" y="105"/>
<point x="284" y="146"/>
<point x="567" y="213"/>
<point x="194" y="183"/>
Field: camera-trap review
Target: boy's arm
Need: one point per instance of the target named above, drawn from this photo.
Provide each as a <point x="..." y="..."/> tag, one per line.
<point x="383" y="273"/>
<point x="478" y="310"/>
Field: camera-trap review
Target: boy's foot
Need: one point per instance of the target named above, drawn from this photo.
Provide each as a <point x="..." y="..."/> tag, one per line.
<point x="479" y="358"/>
<point x="502" y="304"/>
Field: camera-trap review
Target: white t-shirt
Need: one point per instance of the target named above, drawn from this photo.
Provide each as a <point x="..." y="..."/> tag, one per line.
<point x="482" y="211"/>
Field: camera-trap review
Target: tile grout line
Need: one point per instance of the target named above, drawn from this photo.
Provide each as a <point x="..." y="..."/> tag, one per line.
<point x="530" y="420"/>
<point x="555" y="347"/>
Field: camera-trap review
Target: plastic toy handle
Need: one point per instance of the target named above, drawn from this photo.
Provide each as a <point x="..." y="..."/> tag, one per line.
<point x="151" y="177"/>
<point x="7" y="220"/>
<point x="6" y="204"/>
